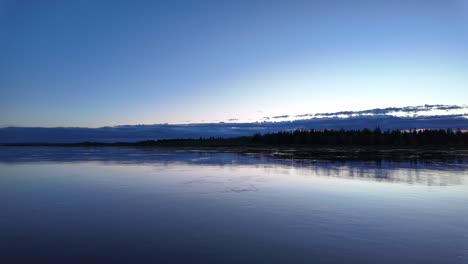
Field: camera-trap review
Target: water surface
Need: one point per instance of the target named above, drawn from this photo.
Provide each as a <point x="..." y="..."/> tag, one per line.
<point x="126" y="205"/>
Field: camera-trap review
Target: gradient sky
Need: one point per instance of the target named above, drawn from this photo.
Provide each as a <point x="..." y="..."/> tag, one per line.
<point x="96" y="63"/>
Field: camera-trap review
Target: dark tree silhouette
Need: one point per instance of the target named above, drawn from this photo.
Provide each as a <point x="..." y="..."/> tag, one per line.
<point x="364" y="137"/>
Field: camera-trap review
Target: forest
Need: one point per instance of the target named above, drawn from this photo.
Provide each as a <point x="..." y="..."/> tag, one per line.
<point x="364" y="137"/>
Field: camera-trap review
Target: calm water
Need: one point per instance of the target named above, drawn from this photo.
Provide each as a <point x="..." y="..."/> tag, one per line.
<point x="110" y="205"/>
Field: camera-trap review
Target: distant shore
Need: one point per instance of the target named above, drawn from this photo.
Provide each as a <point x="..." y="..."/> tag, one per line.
<point x="314" y="144"/>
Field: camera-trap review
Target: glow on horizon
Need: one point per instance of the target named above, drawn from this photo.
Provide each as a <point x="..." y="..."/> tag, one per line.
<point x="208" y="61"/>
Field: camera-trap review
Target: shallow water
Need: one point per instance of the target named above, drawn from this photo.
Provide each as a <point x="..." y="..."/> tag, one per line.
<point x="125" y="205"/>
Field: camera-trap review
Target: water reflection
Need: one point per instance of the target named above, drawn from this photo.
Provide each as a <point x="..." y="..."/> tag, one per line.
<point x="110" y="205"/>
<point x="425" y="172"/>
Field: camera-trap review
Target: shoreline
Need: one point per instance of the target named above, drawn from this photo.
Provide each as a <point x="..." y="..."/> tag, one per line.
<point x="395" y="153"/>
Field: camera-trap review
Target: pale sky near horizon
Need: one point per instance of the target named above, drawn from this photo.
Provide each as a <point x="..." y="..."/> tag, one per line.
<point x="97" y="63"/>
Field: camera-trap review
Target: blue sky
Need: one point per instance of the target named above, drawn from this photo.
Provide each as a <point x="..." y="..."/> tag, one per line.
<point x="96" y="63"/>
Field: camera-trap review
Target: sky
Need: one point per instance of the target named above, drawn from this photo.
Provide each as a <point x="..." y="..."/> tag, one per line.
<point x="98" y="63"/>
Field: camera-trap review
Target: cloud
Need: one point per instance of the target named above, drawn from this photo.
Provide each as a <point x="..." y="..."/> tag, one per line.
<point x="392" y="110"/>
<point x="280" y="116"/>
<point x="303" y="115"/>
<point x="130" y="133"/>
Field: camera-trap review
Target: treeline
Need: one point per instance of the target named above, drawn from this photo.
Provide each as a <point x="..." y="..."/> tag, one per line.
<point x="364" y="137"/>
